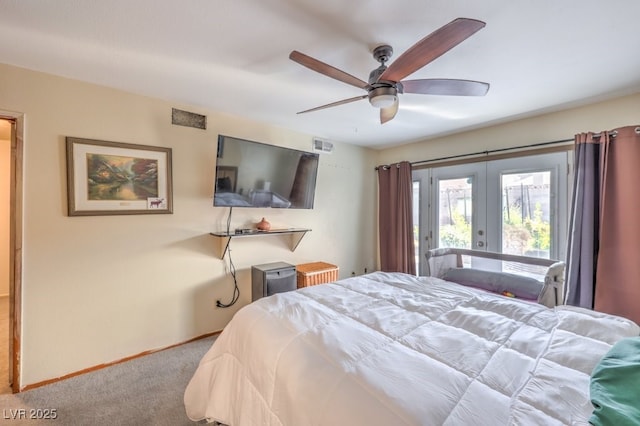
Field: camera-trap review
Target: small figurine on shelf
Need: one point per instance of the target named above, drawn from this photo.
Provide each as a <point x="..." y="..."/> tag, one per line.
<point x="263" y="225"/>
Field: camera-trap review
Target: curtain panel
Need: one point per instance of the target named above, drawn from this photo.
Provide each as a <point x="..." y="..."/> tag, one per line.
<point x="604" y="244"/>
<point x="395" y="218"/>
<point x="584" y="228"/>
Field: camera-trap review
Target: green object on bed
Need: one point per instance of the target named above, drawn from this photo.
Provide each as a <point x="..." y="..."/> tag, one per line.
<point x="615" y="386"/>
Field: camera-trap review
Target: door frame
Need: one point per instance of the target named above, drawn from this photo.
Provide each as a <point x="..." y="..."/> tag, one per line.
<point x="558" y="190"/>
<point x="15" y="244"/>
<point x="428" y="216"/>
<point x="486" y="169"/>
<point x="478" y="195"/>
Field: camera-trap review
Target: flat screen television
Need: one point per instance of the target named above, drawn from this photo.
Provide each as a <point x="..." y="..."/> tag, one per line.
<point x="254" y="174"/>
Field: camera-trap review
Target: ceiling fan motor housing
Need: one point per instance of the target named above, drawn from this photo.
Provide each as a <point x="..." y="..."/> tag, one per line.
<point x="382" y="93"/>
<point x="375" y="74"/>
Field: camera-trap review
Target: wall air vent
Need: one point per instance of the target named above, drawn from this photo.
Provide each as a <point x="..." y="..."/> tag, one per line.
<point x="188" y="119"/>
<point x="323" y="146"/>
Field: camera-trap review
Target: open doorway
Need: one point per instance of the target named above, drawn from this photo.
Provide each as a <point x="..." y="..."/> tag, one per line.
<point x="11" y="148"/>
<point x="5" y="226"/>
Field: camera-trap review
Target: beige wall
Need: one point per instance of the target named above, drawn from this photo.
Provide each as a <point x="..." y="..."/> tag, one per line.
<point x="5" y="162"/>
<point x="101" y="288"/>
<point x="560" y="125"/>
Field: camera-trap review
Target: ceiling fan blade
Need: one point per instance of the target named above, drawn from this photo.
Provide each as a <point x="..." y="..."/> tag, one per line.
<point x="444" y="86"/>
<point x="326" y="69"/>
<point x="431" y="47"/>
<point x="344" y="101"/>
<point x="387" y="114"/>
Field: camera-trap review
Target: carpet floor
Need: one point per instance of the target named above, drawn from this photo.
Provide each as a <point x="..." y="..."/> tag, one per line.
<point x="144" y="391"/>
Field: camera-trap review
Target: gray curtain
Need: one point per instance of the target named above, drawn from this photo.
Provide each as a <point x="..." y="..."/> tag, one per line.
<point x="584" y="227"/>
<point x="395" y="218"/>
<point x="603" y="263"/>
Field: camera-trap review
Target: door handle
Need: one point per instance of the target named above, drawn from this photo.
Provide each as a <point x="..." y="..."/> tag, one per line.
<point x="480" y="244"/>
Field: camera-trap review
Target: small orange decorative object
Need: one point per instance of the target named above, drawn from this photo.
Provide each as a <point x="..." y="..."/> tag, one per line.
<point x="263" y="225"/>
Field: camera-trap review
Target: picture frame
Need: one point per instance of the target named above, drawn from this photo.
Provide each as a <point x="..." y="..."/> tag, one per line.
<point x="115" y="178"/>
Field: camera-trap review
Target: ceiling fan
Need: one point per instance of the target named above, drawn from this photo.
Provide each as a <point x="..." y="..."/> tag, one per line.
<point x="385" y="83"/>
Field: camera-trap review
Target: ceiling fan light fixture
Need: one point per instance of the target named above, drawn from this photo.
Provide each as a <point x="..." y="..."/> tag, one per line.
<point x="383" y="101"/>
<point x="383" y="97"/>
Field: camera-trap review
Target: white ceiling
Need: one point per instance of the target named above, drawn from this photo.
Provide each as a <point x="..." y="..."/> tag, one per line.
<point x="232" y="55"/>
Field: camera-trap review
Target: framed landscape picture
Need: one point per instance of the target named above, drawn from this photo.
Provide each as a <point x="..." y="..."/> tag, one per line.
<point x="113" y="178"/>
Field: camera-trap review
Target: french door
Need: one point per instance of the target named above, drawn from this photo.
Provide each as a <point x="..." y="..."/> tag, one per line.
<point x="516" y="206"/>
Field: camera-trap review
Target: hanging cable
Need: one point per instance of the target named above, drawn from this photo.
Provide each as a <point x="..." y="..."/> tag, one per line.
<point x="229" y="220"/>
<point x="232" y="269"/>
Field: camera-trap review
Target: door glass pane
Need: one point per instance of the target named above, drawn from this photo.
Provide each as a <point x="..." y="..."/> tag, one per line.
<point x="455" y="211"/>
<point x="526" y="222"/>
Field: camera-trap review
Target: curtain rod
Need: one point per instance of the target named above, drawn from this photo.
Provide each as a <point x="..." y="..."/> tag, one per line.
<point x="487" y="152"/>
<point x="493" y="151"/>
<point x="614" y="133"/>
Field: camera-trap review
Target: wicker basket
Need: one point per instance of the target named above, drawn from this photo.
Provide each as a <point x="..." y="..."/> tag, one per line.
<point x="316" y="273"/>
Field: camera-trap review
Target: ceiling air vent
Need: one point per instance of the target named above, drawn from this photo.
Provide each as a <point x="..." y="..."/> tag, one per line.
<point x="320" y="145"/>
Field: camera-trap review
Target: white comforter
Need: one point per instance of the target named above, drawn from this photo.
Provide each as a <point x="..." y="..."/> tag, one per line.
<point x="393" y="349"/>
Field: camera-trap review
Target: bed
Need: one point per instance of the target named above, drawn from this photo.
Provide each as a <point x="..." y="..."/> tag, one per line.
<point x="396" y="349"/>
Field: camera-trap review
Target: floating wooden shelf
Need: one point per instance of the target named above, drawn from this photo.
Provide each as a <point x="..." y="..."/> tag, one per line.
<point x="295" y="234"/>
